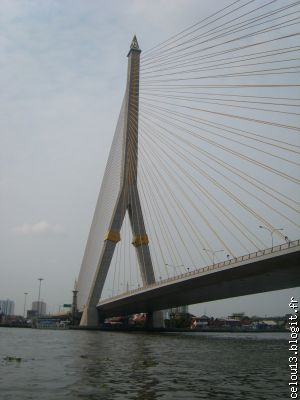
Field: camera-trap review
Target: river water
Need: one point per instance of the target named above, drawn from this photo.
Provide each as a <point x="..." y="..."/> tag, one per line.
<point x="66" y="364"/>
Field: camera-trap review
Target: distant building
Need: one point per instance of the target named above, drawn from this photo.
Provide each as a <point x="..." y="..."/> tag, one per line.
<point x="31" y="314"/>
<point x="174" y="311"/>
<point x="264" y="325"/>
<point x="200" y="322"/>
<point x="40" y="307"/>
<point x="231" y="322"/>
<point x="237" y="316"/>
<point x="7" y="307"/>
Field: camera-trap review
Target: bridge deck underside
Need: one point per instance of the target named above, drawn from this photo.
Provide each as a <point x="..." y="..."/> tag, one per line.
<point x="276" y="273"/>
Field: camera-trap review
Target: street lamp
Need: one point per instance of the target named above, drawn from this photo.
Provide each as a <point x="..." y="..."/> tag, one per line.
<point x="272" y="231"/>
<point x="38" y="307"/>
<point x="25" y="295"/>
<point x="213" y="252"/>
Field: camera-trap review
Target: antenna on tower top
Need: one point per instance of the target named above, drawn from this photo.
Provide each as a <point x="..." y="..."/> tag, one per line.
<point x="134" y="45"/>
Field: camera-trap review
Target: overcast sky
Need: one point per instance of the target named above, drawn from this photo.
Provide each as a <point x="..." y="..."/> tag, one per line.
<point x="63" y="69"/>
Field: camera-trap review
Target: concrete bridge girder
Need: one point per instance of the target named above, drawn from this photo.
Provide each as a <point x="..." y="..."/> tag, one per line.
<point x="263" y="274"/>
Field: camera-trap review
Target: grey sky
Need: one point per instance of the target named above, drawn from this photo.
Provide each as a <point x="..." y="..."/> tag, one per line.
<point x="63" y="68"/>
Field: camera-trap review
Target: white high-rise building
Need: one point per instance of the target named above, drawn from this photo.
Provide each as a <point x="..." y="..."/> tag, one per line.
<point x="7" y="307"/>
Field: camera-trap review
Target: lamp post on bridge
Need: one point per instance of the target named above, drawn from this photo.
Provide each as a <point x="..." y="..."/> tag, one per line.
<point x="272" y="231"/>
<point x="38" y="305"/>
<point x="25" y="296"/>
<point x="213" y="252"/>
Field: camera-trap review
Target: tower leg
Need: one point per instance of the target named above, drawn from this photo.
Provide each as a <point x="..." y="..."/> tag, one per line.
<point x="90" y="312"/>
<point x="89" y="317"/>
<point x="140" y="238"/>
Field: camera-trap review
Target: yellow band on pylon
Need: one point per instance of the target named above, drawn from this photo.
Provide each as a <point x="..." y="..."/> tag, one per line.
<point x="113" y="236"/>
<point x="138" y="240"/>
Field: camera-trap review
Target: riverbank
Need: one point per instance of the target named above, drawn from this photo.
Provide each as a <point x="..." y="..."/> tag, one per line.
<point x="143" y="329"/>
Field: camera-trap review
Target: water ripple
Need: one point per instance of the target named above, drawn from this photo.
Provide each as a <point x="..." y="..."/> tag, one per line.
<point x="119" y="366"/>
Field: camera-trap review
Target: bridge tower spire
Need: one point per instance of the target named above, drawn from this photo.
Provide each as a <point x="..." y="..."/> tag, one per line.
<point x="128" y="197"/>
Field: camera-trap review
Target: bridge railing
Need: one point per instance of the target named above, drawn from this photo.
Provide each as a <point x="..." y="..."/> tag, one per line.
<point x="222" y="264"/>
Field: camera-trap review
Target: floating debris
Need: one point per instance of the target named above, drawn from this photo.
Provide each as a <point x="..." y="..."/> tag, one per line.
<point x="12" y="358"/>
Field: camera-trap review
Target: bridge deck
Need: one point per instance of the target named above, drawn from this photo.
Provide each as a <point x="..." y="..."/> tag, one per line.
<point x="271" y="269"/>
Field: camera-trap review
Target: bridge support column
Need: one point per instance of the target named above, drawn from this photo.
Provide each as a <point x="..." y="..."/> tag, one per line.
<point x="155" y="319"/>
<point x="90" y="317"/>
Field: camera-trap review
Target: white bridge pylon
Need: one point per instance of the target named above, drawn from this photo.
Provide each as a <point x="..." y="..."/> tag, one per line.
<point x="118" y="194"/>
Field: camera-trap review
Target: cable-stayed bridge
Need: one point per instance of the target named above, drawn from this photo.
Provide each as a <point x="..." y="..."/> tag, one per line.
<point x="199" y="197"/>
